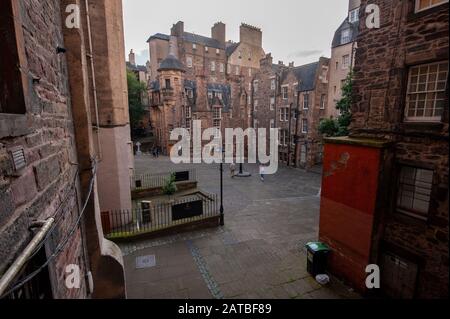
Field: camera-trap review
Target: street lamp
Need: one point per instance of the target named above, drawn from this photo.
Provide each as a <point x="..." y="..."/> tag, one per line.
<point x="222" y="216"/>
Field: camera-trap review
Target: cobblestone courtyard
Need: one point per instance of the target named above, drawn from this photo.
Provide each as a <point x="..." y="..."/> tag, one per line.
<point x="259" y="253"/>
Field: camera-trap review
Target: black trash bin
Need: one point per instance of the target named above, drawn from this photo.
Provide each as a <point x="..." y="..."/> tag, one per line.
<point x="317" y="256"/>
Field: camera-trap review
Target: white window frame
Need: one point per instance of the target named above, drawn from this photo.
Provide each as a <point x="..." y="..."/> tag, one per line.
<point x="426" y="93"/>
<point x="416" y="6"/>
<point x="353" y="15"/>
<point x="217" y="51"/>
<point x="348" y="36"/>
<point x="285" y="90"/>
<point x="273" y="84"/>
<point x="272" y="103"/>
<point x="194" y="46"/>
<point x="222" y="68"/>
<point x="272" y="123"/>
<point x="206" y="49"/>
<point x="323" y="98"/>
<point x="213" y="66"/>
<point x="305" y="131"/>
<point x="306" y="105"/>
<point x="255" y="105"/>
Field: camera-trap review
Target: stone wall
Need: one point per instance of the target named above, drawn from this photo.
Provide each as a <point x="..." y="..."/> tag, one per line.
<point x="46" y="183"/>
<point x="381" y="69"/>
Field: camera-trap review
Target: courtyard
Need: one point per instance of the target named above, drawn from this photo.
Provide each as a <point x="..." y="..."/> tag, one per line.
<point x="258" y="254"/>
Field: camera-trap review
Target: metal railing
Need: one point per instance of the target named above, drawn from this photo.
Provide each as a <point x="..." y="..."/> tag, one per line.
<point x="151" y="217"/>
<point x="147" y="181"/>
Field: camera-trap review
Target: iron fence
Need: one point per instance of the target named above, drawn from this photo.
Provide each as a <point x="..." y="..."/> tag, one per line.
<point x="146" y="181"/>
<point x="151" y="217"/>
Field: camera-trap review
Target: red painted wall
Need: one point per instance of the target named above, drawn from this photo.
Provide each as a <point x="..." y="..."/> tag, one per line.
<point x="349" y="190"/>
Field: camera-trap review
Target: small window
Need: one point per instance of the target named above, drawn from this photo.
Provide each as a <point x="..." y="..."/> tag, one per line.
<point x="306" y="101"/>
<point x="285" y="92"/>
<point x="213" y="66"/>
<point x="217" y="51"/>
<point x="272" y="103"/>
<point x="237" y="70"/>
<point x="272" y="123"/>
<point x="414" y="191"/>
<point x="304" y="126"/>
<point x="426" y="95"/>
<point x="189" y="62"/>
<point x="168" y="86"/>
<point x="353" y="16"/>
<point x="206" y="49"/>
<point x="249" y="72"/>
<point x="217" y="113"/>
<point x="255" y="105"/>
<point x="322" y="101"/>
<point x="422" y="5"/>
<point x="345" y="61"/>
<point x="194" y="46"/>
<point x="222" y="68"/>
<point x="272" y="84"/>
<point x="345" y="36"/>
<point x="255" y="85"/>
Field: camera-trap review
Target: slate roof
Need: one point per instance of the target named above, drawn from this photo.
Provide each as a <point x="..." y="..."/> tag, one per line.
<point x="225" y="89"/>
<point x="306" y="75"/>
<point x="160" y="36"/>
<point x="354" y="31"/>
<point x="141" y="68"/>
<point x="199" y="39"/>
<point x="193" y="38"/>
<point x="171" y="63"/>
<point x="231" y="47"/>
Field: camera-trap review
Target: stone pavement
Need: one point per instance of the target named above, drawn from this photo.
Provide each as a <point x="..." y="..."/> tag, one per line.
<point x="259" y="253"/>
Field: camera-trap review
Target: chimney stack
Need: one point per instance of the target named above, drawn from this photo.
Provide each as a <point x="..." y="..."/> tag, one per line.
<point x="132" y="58"/>
<point x="218" y="32"/>
<point x="291" y="64"/>
<point x="280" y="63"/>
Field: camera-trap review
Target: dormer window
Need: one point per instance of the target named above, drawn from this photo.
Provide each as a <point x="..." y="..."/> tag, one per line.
<point x="345" y="36"/>
<point x="206" y="49"/>
<point x="353" y="15"/>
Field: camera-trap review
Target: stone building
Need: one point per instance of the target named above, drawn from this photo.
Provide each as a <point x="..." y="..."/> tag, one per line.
<point x="293" y="99"/>
<point x="64" y="152"/>
<point x="191" y="79"/>
<point x="387" y="184"/>
<point x="342" y="56"/>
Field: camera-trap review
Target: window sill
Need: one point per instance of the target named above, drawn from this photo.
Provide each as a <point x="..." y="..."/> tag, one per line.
<point x="14" y="125"/>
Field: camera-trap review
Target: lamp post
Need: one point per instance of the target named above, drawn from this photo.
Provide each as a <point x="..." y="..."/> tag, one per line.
<point x="222" y="216"/>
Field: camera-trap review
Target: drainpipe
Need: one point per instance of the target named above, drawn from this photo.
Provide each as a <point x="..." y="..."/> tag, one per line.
<point x="18" y="264"/>
<point x="94" y="86"/>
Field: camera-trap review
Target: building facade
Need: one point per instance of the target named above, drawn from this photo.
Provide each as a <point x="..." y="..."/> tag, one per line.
<point x="398" y="209"/>
<point x="342" y="56"/>
<point x="192" y="79"/>
<point x="57" y="108"/>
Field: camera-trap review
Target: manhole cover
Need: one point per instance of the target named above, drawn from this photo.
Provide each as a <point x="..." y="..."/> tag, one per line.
<point x="145" y="262"/>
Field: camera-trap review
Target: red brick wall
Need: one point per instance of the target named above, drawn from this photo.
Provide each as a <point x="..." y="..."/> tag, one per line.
<point x="47" y="136"/>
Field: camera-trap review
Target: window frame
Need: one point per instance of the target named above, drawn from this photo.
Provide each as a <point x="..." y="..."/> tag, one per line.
<point x="283" y="92"/>
<point x="306" y="101"/>
<point x="189" y="62"/>
<point x="21" y="62"/>
<point x="417" y="4"/>
<point x="305" y="126"/>
<point x="408" y="211"/>
<point x="424" y="119"/>
<point x="345" y="61"/>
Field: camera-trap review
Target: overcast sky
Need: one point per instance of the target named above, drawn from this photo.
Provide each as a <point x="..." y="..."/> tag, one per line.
<point x="293" y="30"/>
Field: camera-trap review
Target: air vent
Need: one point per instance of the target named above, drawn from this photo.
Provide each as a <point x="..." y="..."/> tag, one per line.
<point x="18" y="157"/>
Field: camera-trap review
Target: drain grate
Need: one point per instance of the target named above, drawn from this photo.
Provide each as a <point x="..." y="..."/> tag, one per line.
<point x="143" y="262"/>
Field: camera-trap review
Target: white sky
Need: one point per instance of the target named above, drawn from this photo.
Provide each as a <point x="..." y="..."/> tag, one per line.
<point x="293" y="30"/>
